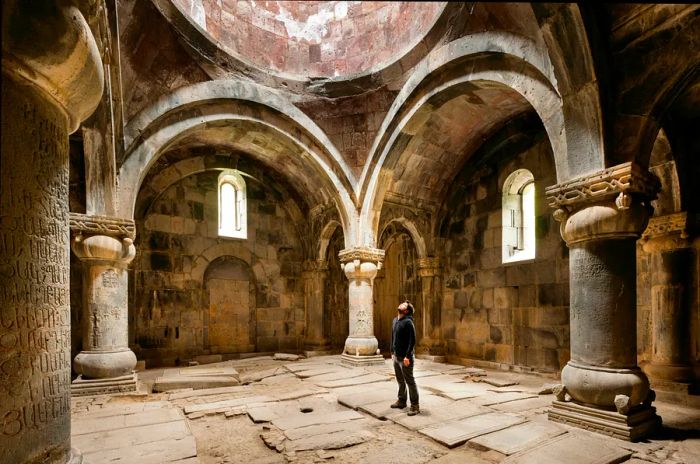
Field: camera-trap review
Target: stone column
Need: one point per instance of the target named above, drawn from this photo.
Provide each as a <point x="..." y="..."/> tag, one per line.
<point x="666" y="241"/>
<point x="360" y="265"/>
<point x="314" y="275"/>
<point x="602" y="216"/>
<point x="431" y="345"/>
<point x="51" y="80"/>
<point x="105" y="248"/>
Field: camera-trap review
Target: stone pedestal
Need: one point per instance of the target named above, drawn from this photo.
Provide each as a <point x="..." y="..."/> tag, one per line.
<point x="360" y="265"/>
<point x="106" y="363"/>
<point x="601" y="217"/>
<point x="430" y="346"/>
<point x="671" y="263"/>
<point x="51" y="80"/>
<point x="314" y="275"/>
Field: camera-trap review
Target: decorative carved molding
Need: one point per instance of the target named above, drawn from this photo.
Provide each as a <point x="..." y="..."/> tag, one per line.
<point x="666" y="225"/>
<point x="428" y="267"/>
<point x="618" y="181"/>
<point x="362" y="254"/>
<point x="102" y="225"/>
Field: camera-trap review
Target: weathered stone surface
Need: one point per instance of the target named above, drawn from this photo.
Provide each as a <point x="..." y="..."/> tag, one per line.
<point x="306" y="420"/>
<point x="224" y="404"/>
<point x="517" y="438"/>
<point x="574" y="448"/>
<point x="329" y="441"/>
<point x="436" y="415"/>
<point x="286" y="357"/>
<point x="457" y="432"/>
<point x="358" y="380"/>
<point x="168" y="383"/>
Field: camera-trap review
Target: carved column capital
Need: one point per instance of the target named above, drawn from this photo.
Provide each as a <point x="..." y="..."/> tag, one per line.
<point x="361" y="262"/>
<point x="428" y="267"/>
<point x="668" y="232"/>
<point x="85" y="224"/>
<point x="56" y="52"/>
<point x="612" y="203"/>
<point x="313" y="268"/>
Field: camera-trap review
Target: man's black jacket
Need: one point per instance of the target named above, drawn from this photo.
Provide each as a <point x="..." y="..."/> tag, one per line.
<point x="403" y="337"/>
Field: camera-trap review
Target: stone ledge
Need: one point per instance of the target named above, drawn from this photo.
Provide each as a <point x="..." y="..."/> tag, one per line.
<point x="89" y="387"/>
<point x="360" y="361"/>
<point x="634" y="426"/>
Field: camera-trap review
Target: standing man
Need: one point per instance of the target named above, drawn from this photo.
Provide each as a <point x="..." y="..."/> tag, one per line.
<point x="403" y="342"/>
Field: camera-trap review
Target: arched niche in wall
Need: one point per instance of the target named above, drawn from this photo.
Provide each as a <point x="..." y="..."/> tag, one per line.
<point x="397" y="281"/>
<point x="228" y="316"/>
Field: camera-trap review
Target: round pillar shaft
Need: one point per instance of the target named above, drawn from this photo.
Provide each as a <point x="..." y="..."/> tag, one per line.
<point x="360" y="266"/>
<point x="51" y="80"/>
<point x="106" y="352"/>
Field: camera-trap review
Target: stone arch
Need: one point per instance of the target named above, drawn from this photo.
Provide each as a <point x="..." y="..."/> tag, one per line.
<point x="510" y="61"/>
<point x="325" y="238"/>
<point x="220" y="103"/>
<point x="234" y="248"/>
<point x="413" y="231"/>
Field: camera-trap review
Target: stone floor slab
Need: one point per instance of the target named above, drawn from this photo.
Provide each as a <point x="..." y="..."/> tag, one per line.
<point x="457" y="432"/>
<point x="571" y="448"/>
<point x="101" y="424"/>
<point x="362" y="379"/>
<point x="493" y="398"/>
<point x="208" y="392"/>
<point x="164" y="384"/>
<point x="305" y="420"/>
<point x="147" y="453"/>
<point x="131" y="436"/>
<point x="247" y="400"/>
<point x="329" y="441"/>
<point x="517" y="438"/>
<point x="349" y="426"/>
<point x="432" y="416"/>
<point x="526" y="404"/>
<point x="355" y="400"/>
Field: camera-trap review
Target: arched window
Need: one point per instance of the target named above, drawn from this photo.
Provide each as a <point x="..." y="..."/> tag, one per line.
<point x="232" y="205"/>
<point x="518" y="230"/>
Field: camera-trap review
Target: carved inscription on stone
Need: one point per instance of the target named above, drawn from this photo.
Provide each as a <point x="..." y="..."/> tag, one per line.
<point x="110" y="279"/>
<point x="34" y="277"/>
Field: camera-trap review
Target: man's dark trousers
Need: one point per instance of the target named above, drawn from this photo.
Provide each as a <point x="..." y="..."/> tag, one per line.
<point x="404" y="376"/>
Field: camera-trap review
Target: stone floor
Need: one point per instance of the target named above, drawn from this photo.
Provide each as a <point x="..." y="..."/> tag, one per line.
<point x="318" y="410"/>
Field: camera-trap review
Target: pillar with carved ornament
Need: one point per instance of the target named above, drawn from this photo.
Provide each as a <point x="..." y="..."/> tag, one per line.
<point x="51" y="81"/>
<point x="602" y="215"/>
<point x="671" y="254"/>
<point x="360" y="265"/>
<point x="431" y="344"/>
<point x="105" y="247"/>
<point x="314" y="274"/>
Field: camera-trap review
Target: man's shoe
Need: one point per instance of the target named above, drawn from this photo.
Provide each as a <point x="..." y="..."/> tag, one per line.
<point x="398" y="405"/>
<point x="415" y="409"/>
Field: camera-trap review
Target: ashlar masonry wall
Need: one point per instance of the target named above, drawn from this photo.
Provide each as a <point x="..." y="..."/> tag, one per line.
<point x="180" y="306"/>
<point x="513" y="314"/>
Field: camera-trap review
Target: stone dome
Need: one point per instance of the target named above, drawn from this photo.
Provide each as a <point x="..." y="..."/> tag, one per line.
<point x="325" y="39"/>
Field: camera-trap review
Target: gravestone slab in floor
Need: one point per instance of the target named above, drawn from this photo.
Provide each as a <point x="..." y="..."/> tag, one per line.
<point x="571" y="448"/>
<point x="517" y="438"/>
<point x="457" y="432"/>
<point x="432" y="416"/>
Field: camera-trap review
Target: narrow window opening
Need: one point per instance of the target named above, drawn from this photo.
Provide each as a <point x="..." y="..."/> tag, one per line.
<point x="232" y="205"/>
<point x="518" y="228"/>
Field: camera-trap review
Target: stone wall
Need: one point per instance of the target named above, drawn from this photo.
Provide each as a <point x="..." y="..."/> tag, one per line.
<point x="510" y="314"/>
<point x="178" y="288"/>
<point x="335" y="308"/>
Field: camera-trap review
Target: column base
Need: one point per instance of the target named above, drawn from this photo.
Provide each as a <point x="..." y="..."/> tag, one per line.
<point x="637" y="424"/>
<point x="359" y="361"/>
<point x="88" y="387"/>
